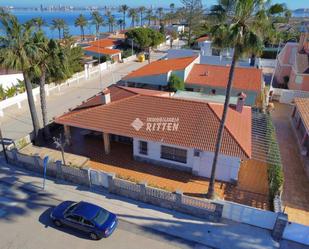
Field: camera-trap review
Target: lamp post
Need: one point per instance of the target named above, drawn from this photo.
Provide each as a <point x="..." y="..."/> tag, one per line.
<point x="3" y="147"/>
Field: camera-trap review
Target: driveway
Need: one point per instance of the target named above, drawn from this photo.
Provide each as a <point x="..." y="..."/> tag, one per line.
<point x="296" y="184"/>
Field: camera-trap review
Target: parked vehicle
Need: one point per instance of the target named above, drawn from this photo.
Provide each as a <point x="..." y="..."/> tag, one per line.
<point x="86" y="217"/>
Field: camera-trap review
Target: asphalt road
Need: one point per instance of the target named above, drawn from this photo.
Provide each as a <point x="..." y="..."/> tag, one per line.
<point x="25" y="224"/>
<point x="16" y="123"/>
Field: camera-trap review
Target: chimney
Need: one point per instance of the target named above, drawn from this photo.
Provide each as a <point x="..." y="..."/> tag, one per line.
<point x="241" y="102"/>
<point x="106" y="96"/>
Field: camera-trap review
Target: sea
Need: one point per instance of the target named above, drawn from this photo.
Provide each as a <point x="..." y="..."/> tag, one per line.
<point x="69" y="17"/>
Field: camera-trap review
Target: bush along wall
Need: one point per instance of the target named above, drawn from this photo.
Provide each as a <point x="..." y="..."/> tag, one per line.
<point x="275" y="173"/>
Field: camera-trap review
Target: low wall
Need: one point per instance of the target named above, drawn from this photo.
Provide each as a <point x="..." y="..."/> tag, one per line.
<point x="177" y="201"/>
<point x="54" y="168"/>
<point x="287" y="96"/>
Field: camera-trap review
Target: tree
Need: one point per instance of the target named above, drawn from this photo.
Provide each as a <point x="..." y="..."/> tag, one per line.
<point x="173" y="36"/>
<point x="111" y="22"/>
<point x="141" y="11"/>
<point x="124" y="8"/>
<point x="241" y="30"/>
<point x="145" y="38"/>
<point x="160" y="14"/>
<point x="120" y="24"/>
<point x="193" y="14"/>
<point x="175" y="83"/>
<point x="81" y="22"/>
<point x="19" y="52"/>
<point x="133" y="16"/>
<point x="149" y="16"/>
<point x="172" y="7"/>
<point x="39" y="23"/>
<point x="58" y="24"/>
<point x="97" y="20"/>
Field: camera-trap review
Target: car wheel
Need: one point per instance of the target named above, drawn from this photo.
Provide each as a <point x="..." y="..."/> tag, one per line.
<point x="58" y="223"/>
<point x="93" y="236"/>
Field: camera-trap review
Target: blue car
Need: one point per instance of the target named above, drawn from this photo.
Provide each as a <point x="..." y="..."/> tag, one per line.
<point x="86" y="217"/>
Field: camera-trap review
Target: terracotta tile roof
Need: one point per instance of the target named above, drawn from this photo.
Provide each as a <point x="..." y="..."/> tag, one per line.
<point x="302" y="105"/>
<point x="198" y="122"/>
<point x="103" y="43"/>
<point x="118" y="93"/>
<point x="161" y="67"/>
<point x="245" y="78"/>
<point x="203" y="38"/>
<point x="102" y="50"/>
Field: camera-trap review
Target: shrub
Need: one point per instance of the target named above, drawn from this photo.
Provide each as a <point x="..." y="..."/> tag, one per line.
<point x="175" y="83"/>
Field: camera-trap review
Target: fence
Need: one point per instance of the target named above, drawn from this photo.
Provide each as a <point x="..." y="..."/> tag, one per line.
<point x="287" y="96"/>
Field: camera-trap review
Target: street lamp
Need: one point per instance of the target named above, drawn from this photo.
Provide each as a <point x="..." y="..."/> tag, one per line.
<point x="3" y="147"/>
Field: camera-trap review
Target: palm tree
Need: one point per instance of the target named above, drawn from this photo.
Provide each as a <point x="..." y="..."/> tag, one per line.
<point x="123" y="9"/>
<point x="18" y="53"/>
<point x="239" y="27"/>
<point x="172" y="7"/>
<point x="133" y="16"/>
<point x="120" y="23"/>
<point x="111" y="22"/>
<point x="97" y="20"/>
<point x="149" y="16"/>
<point x="58" y="24"/>
<point x="81" y="22"/>
<point x="160" y="14"/>
<point x="141" y="11"/>
<point x="40" y="22"/>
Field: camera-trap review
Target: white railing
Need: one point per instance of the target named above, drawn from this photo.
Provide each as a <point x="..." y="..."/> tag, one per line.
<point x="160" y="194"/>
<point x="194" y="202"/>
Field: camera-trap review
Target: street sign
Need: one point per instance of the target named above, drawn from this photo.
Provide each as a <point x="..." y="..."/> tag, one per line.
<point x="45" y="163"/>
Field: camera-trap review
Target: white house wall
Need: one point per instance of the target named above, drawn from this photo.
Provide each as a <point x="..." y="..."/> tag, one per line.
<point x="227" y="168"/>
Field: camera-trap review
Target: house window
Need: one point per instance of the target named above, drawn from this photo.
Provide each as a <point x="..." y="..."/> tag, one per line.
<point x="196" y="152"/>
<point x="143" y="147"/>
<point x="173" y="154"/>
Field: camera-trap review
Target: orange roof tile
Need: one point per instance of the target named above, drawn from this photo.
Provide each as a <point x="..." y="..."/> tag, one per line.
<point x="161" y="67"/>
<point x="203" y="38"/>
<point x="245" y="78"/>
<point x="103" y="43"/>
<point x="302" y="105"/>
<point x="102" y="50"/>
<point x="198" y="122"/>
<point x="118" y="93"/>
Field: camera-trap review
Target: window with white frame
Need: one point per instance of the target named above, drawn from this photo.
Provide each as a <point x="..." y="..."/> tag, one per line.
<point x="143" y="147"/>
<point x="173" y="154"/>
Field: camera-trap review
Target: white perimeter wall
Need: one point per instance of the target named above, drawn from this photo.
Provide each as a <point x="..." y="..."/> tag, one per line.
<point x="227" y="167"/>
<point x="9" y="80"/>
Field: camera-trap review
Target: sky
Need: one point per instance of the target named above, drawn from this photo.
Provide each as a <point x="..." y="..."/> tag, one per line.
<point x="292" y="4"/>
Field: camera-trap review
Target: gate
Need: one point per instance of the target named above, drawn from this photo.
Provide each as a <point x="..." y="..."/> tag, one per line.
<point x="98" y="178"/>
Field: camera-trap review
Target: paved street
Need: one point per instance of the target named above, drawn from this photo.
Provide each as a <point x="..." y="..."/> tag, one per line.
<point x="25" y="224"/>
<point x="17" y="123"/>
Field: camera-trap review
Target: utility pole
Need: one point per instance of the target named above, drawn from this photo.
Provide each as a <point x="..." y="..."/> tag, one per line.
<point x="132" y="47"/>
<point x="3" y="147"/>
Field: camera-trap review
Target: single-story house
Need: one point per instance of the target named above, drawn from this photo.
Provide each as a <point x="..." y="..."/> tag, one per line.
<point x="167" y="131"/>
<point x="213" y="79"/>
<point x="156" y="74"/>
<point x="114" y="54"/>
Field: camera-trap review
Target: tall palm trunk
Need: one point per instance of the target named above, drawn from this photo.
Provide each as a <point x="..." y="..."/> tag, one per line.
<point x="149" y="50"/>
<point x="211" y="188"/>
<point x="59" y="34"/>
<point x="43" y="103"/>
<point x="124" y="20"/>
<point x="141" y="19"/>
<point x="33" y="113"/>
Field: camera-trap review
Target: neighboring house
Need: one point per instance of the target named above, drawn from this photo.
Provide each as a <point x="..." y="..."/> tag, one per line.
<point x="300" y="121"/>
<point x="212" y="79"/>
<point x="293" y="63"/>
<point x="103" y="47"/>
<point x="156" y="74"/>
<point x="167" y="131"/>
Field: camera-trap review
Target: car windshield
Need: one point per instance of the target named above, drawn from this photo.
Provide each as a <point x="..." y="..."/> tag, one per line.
<point x="101" y="217"/>
<point x="70" y="208"/>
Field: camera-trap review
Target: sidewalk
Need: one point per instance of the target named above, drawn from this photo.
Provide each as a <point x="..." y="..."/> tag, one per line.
<point x="227" y="234"/>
